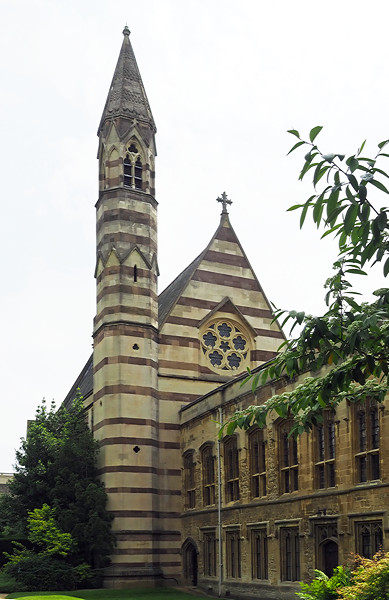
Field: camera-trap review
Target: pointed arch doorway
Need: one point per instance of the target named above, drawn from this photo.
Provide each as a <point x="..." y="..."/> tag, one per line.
<point x="327" y="548"/>
<point x="329" y="557"/>
<point x="190" y="565"/>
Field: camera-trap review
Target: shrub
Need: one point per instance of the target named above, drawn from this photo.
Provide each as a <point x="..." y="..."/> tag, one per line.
<point x="370" y="580"/>
<point x="323" y="587"/>
<point x="40" y="572"/>
<point x="8" y="584"/>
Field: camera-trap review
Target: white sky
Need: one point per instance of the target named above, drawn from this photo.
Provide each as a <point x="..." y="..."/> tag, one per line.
<point x="225" y="80"/>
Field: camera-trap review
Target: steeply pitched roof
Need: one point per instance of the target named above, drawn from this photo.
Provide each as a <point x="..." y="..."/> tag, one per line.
<point x="127" y="96"/>
<point x="170" y="295"/>
<point x="84" y="381"/>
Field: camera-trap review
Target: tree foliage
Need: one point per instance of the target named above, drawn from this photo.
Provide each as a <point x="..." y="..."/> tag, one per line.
<point x="343" y="353"/>
<point x="369" y="581"/>
<point x="57" y="466"/>
<point x="323" y="587"/>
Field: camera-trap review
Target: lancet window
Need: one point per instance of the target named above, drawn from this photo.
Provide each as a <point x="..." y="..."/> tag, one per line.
<point x="132" y="168"/>
<point x="231" y="469"/>
<point x="325" y="452"/>
<point x="288" y="458"/>
<point x="367" y="435"/>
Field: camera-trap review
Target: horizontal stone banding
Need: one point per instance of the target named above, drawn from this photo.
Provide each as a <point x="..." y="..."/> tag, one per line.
<point x="226" y="258"/>
<point x="177" y="340"/>
<point x="243" y="283"/>
<point x="130" y="329"/>
<point x="137" y="551"/>
<point x="269" y="333"/>
<point x="139" y="490"/>
<point x="126" y="360"/>
<point x="148" y="536"/>
<point x="127" y="238"/>
<point x="136" y="565"/>
<point x="127" y="310"/>
<point x="122" y="288"/>
<point x="171" y="364"/>
<point x="127" y="215"/>
<point x="139" y="441"/>
<point x="138" y="422"/>
<point x="119" y="388"/>
<point x="209" y="305"/>
<point x="136" y="469"/>
<point x="121" y="193"/>
<point x="262" y="355"/>
<point x="144" y="514"/>
<point x="177" y="396"/>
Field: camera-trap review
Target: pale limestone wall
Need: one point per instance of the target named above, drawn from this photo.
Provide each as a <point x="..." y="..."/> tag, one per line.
<point x="345" y="505"/>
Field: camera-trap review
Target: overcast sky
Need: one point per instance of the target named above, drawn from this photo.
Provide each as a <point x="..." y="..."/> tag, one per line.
<point x="225" y="80"/>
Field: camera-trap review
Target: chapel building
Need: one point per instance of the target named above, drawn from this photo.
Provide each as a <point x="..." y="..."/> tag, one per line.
<point x="249" y="515"/>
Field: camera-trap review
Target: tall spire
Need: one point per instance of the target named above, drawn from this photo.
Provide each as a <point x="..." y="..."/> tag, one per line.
<point x="127" y="96"/>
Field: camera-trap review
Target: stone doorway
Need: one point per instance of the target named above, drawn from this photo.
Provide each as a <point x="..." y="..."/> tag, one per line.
<point x="330" y="557"/>
<point x="189" y="556"/>
<point x="327" y="549"/>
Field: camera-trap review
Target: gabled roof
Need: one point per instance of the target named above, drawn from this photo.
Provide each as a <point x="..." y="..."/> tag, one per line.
<point x="170" y="295"/>
<point x="84" y="381"/>
<point x="127" y="96"/>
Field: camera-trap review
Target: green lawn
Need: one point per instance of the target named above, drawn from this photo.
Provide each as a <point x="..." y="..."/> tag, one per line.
<point x="131" y="594"/>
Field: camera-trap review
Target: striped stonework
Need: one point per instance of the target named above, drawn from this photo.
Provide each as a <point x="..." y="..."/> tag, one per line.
<point x="155" y="354"/>
<point x="219" y="286"/>
<point x="125" y="357"/>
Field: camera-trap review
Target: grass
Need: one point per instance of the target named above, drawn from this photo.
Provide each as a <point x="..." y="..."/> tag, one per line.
<point x="129" y="594"/>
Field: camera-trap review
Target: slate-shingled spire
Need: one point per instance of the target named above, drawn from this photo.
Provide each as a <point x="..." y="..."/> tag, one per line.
<point x="127" y="96"/>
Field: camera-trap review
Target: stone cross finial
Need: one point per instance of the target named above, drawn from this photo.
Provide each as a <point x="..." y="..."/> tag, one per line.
<point x="224" y="200"/>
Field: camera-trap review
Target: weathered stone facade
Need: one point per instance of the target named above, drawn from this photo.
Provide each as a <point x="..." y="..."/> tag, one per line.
<point x="166" y="368"/>
<point x="345" y="512"/>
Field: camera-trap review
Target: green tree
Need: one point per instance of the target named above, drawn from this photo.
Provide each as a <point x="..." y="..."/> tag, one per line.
<point x="347" y="348"/>
<point x="45" y="533"/>
<point x="370" y="580"/>
<point x="57" y="466"/>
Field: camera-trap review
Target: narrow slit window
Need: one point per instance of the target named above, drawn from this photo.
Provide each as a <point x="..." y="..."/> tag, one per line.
<point x="135" y="273"/>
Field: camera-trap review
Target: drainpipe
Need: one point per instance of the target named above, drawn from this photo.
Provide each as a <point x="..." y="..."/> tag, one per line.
<point x="219" y="505"/>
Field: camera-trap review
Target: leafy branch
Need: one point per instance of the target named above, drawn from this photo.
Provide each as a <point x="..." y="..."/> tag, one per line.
<point x="343" y="354"/>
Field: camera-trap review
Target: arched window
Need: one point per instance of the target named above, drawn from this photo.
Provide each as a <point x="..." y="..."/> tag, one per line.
<point x="127" y="172"/>
<point x="231" y="469"/>
<point x="367" y="436"/>
<point x="208" y="464"/>
<point x="132" y="168"/>
<point x="288" y="454"/>
<point x="257" y="463"/>
<point x="325" y="451"/>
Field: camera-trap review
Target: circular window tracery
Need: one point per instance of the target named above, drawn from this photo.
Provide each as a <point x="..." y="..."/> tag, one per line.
<point x="224" y="345"/>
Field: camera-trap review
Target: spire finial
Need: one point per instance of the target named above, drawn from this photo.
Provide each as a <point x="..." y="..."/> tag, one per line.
<point x="224" y="200"/>
<point x="126" y="31"/>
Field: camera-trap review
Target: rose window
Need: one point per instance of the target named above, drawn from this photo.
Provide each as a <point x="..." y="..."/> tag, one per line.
<point x="224" y="345"/>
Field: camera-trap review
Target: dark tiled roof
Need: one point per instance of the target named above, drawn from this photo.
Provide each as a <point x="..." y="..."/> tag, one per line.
<point x="171" y="294"/>
<point x="84" y="381"/>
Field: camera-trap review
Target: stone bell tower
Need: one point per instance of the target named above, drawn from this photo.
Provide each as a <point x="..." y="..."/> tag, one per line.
<point x="125" y="356"/>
